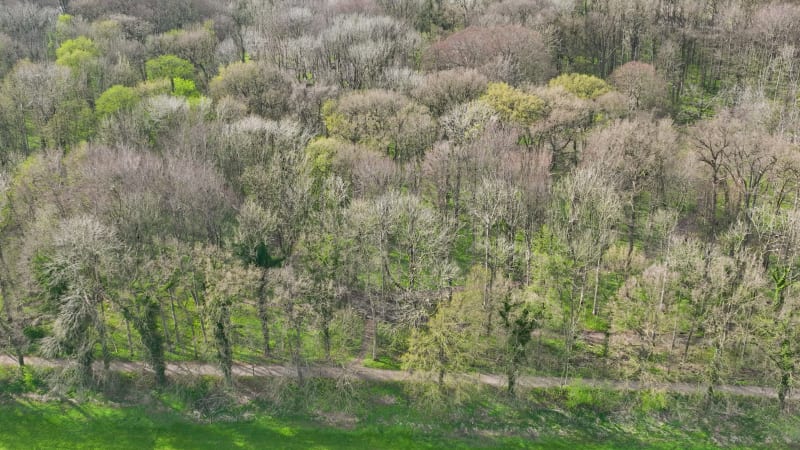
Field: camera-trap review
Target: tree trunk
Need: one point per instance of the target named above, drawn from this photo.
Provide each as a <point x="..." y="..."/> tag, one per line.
<point x="164" y="326"/>
<point x="784" y="389"/>
<point x="130" y="337"/>
<point x="631" y="234"/>
<point x="374" y="335"/>
<point x="174" y="320"/>
<point x="148" y="329"/>
<point x="85" y="360"/>
<point x="688" y="342"/>
<point x="326" y="340"/>
<point x="224" y="350"/>
<point x="296" y="353"/>
<point x="103" y="337"/>
<point x="595" y="309"/>
<point x="15" y="338"/>
<point x="263" y="311"/>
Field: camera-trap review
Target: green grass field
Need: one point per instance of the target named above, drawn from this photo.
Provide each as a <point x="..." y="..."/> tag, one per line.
<point x="31" y="425"/>
<point x="198" y="413"/>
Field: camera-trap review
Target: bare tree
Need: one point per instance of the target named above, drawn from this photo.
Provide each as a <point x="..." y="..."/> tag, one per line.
<point x="583" y="213"/>
<point x="509" y="53"/>
<point x="77" y="274"/>
<point x="635" y="154"/>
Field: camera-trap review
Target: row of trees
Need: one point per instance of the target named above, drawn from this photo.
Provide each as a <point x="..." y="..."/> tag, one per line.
<point x="429" y="182"/>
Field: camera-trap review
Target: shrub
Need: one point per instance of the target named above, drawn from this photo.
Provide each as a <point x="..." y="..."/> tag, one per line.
<point x="652" y="401"/>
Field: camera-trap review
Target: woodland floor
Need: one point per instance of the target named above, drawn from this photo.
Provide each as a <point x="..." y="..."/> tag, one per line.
<point x="356" y="371"/>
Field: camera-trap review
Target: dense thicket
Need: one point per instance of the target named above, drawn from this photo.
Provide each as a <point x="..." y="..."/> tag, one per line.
<point x="605" y="188"/>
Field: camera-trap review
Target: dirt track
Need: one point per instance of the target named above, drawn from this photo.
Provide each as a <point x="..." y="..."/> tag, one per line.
<point x="366" y="373"/>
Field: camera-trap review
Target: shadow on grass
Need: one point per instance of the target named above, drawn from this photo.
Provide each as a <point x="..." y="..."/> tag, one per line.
<point x="63" y="425"/>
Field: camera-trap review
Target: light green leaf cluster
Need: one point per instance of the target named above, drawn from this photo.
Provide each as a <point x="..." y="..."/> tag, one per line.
<point x="583" y="86"/>
<point x="185" y="88"/>
<point x="514" y="105"/>
<point x="169" y="66"/>
<point x="116" y="98"/>
<point x="74" y="53"/>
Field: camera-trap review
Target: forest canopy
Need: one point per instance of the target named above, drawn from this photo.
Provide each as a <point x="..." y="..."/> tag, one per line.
<point x="604" y="188"/>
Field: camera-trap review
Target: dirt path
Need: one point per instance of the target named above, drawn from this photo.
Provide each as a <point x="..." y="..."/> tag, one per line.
<point x="367" y="373"/>
<point x="366" y="343"/>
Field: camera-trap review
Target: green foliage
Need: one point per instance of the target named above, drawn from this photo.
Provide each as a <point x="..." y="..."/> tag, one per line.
<point x="21" y="380"/>
<point x="264" y="89"/>
<point x="381" y="120"/>
<point x="65" y="19"/>
<point x="382" y="362"/>
<point x="185" y="88"/>
<point x="200" y="414"/>
<point x="451" y="342"/>
<point x="169" y="67"/>
<point x="75" y="53"/>
<point x="596" y="323"/>
<point x="73" y="122"/>
<point x="518" y="319"/>
<point x="116" y="98"/>
<point x="582" y="85"/>
<point x="321" y="153"/>
<point x="513" y="104"/>
<point x="580" y="395"/>
<point x="652" y="401"/>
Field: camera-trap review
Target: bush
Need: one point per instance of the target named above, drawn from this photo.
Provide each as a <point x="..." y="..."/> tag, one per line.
<point x="653" y="401"/>
<point x="579" y="396"/>
<point x="582" y="396"/>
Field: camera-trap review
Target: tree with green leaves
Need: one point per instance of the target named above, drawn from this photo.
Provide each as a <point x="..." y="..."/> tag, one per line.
<point x="115" y="99"/>
<point x="514" y="105"/>
<point x="170" y="67"/>
<point x="451" y="340"/>
<point x="325" y="254"/>
<point x="582" y="85"/>
<point x="256" y="225"/>
<point x="518" y="320"/>
<point x="75" y="53"/>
